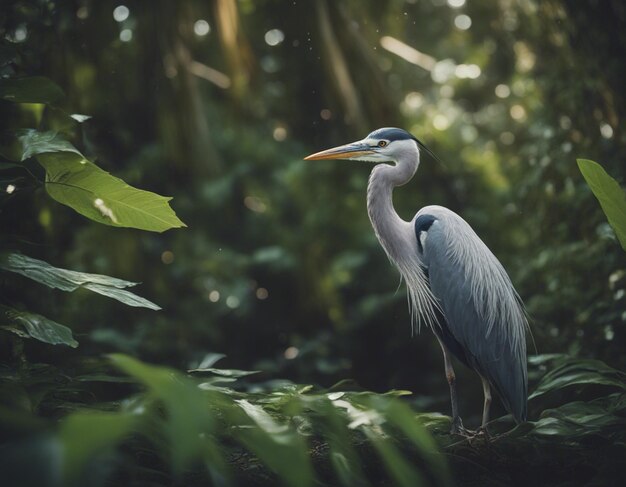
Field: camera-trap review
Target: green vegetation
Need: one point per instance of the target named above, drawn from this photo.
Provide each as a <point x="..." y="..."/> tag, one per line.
<point x="609" y="194"/>
<point x="272" y="347"/>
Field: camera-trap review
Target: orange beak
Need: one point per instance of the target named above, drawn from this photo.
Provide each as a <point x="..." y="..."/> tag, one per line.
<point x="348" y="151"/>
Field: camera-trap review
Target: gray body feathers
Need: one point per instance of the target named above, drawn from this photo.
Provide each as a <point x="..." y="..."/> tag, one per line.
<point x="481" y="307"/>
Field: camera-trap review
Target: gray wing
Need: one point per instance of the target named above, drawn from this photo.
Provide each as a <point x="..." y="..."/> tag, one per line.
<point x="482" y="311"/>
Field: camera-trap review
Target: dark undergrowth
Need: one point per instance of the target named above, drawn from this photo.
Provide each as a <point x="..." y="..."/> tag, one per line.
<point x="118" y="421"/>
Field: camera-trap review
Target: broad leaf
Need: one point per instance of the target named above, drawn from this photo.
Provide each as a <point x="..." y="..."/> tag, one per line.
<point x="32" y="325"/>
<point x="331" y="423"/>
<point x="400" y="469"/>
<point x="611" y="197"/>
<point x="34" y="89"/>
<point x="578" y="421"/>
<point x="576" y="373"/>
<point x="401" y="416"/>
<point x="188" y="423"/>
<point x="74" y="181"/>
<point x="277" y="445"/>
<point x="68" y="280"/>
<point x="84" y="435"/>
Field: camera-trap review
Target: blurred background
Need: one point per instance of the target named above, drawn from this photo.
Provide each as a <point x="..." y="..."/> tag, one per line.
<point x="216" y="103"/>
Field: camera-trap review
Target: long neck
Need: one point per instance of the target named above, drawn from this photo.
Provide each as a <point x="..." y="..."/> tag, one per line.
<point x="391" y="230"/>
<point x="398" y="236"/>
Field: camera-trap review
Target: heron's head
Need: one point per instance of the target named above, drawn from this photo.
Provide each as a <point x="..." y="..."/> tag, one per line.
<point x="386" y="144"/>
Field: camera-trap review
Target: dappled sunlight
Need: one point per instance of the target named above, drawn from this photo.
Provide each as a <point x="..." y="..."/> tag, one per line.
<point x="105" y="210"/>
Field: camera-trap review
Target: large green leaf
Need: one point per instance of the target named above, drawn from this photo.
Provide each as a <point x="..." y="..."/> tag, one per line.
<point x="611" y="197"/>
<point x="402" y="417"/>
<point x="84" y="435"/>
<point x="34" y="89"/>
<point x="578" y="420"/>
<point x="68" y="280"/>
<point x="188" y="425"/>
<point x="74" y="181"/>
<point x="577" y="373"/>
<point x="32" y="325"/>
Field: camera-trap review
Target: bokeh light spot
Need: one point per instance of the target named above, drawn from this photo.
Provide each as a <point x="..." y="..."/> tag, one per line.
<point x="469" y="133"/>
<point x="443" y="71"/>
<point x="456" y="3"/>
<point x="326" y="114"/>
<point x="507" y="138"/>
<point x="121" y="13"/>
<point x="467" y="71"/>
<point x="274" y="37"/>
<point x="502" y="91"/>
<point x="255" y="204"/>
<point x="291" y="353"/>
<point x="126" y="35"/>
<point x="201" y="27"/>
<point x="280" y="133"/>
<point x="609" y="334"/>
<point x="462" y="22"/>
<point x="606" y="130"/>
<point x="20" y="34"/>
<point x="82" y="13"/>
<point x="441" y="122"/>
<point x="518" y="112"/>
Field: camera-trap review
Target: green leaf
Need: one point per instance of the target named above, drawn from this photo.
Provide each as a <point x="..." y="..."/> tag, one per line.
<point x="578" y="373"/>
<point x="32" y="325"/>
<point x="74" y="181"/>
<point x="34" y="89"/>
<point x="331" y="423"/>
<point x="402" y="471"/>
<point x="611" y="197"/>
<point x="188" y="424"/>
<point x="400" y="415"/>
<point x="277" y="445"/>
<point x="576" y="421"/>
<point x="84" y="435"/>
<point x="68" y="280"/>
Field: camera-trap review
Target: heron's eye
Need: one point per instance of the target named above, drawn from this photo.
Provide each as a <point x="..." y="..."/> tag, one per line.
<point x="382" y="143"/>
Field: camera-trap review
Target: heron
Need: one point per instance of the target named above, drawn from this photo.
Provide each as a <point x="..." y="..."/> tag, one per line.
<point x="455" y="284"/>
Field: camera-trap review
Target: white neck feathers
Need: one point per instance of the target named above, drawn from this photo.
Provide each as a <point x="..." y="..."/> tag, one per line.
<point x="396" y="235"/>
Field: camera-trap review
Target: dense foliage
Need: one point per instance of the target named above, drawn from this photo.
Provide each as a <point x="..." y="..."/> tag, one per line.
<point x="275" y="269"/>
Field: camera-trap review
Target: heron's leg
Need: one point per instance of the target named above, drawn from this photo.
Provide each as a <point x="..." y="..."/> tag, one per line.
<point x="457" y="424"/>
<point x="487" y="404"/>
